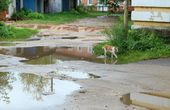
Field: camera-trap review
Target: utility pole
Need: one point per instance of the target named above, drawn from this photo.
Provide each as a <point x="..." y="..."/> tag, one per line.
<point x="126" y="18"/>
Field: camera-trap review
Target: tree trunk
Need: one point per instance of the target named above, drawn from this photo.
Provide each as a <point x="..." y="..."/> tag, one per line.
<point x="126" y="19"/>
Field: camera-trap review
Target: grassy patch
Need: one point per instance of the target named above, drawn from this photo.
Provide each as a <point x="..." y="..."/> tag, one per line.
<point x="135" y="56"/>
<point x="10" y="33"/>
<point x="23" y="34"/>
<point x="63" y="17"/>
<point x="19" y="35"/>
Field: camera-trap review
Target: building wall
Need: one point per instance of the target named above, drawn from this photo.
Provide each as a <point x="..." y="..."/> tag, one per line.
<point x="151" y="14"/>
<point x="30" y="4"/>
<point x="55" y="6"/>
<point x="71" y="4"/>
<point x="65" y="5"/>
<point x="94" y="2"/>
<point x="42" y="6"/>
<point x="99" y="7"/>
<point x="84" y="2"/>
<point x="11" y="8"/>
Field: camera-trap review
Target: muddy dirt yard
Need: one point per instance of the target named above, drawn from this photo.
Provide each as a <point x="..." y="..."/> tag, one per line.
<point x="56" y="70"/>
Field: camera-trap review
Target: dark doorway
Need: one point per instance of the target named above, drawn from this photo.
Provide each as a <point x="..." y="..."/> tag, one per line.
<point x="75" y="4"/>
<point x="39" y="6"/>
<point x="46" y="6"/>
<point x="65" y="5"/>
<point x="18" y="5"/>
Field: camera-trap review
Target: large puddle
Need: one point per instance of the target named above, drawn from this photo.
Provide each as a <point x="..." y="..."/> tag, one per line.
<point x="54" y="55"/>
<point x="23" y="91"/>
<point x="152" y="101"/>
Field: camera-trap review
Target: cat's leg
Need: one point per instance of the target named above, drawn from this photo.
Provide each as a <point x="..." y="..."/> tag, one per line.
<point x="105" y="53"/>
<point x="115" y="55"/>
<point x="112" y="55"/>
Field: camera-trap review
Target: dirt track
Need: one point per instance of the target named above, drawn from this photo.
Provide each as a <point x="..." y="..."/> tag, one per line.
<point x="103" y="93"/>
<point x="86" y="31"/>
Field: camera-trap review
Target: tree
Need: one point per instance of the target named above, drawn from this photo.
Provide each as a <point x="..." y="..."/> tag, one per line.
<point x="114" y="4"/>
<point x="4" y="4"/>
<point x="126" y="19"/>
<point x="111" y="3"/>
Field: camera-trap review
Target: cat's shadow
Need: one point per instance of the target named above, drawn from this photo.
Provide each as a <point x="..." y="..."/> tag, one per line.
<point x="112" y="61"/>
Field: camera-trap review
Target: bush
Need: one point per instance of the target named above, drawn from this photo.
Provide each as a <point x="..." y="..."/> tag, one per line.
<point x="35" y="15"/>
<point x="141" y="40"/>
<point x="81" y="9"/>
<point x="26" y="14"/>
<point x="74" y="12"/>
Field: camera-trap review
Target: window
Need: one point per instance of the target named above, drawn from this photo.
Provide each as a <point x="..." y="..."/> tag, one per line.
<point x="70" y="48"/>
<point x="90" y="49"/>
<point x="80" y="49"/>
<point x="99" y="2"/>
<point x="89" y="2"/>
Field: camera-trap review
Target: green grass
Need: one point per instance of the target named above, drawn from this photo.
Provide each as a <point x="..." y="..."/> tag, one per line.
<point x="19" y="35"/>
<point x="136" y="56"/>
<point x="23" y="34"/>
<point x="63" y="17"/>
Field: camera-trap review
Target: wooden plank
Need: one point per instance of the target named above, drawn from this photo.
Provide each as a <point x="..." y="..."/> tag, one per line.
<point x="156" y="103"/>
<point x="153" y="24"/>
<point x="151" y="16"/>
<point x="151" y="3"/>
<point x="158" y="9"/>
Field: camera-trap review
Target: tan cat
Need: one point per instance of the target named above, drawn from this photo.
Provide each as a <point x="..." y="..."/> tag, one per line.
<point x="111" y="49"/>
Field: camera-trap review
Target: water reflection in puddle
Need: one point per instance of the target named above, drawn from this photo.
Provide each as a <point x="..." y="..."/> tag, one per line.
<point x="31" y="92"/>
<point x="53" y="55"/>
<point x="153" y="101"/>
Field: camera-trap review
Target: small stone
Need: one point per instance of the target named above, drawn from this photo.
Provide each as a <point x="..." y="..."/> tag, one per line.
<point x="74" y="79"/>
<point x="83" y="91"/>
